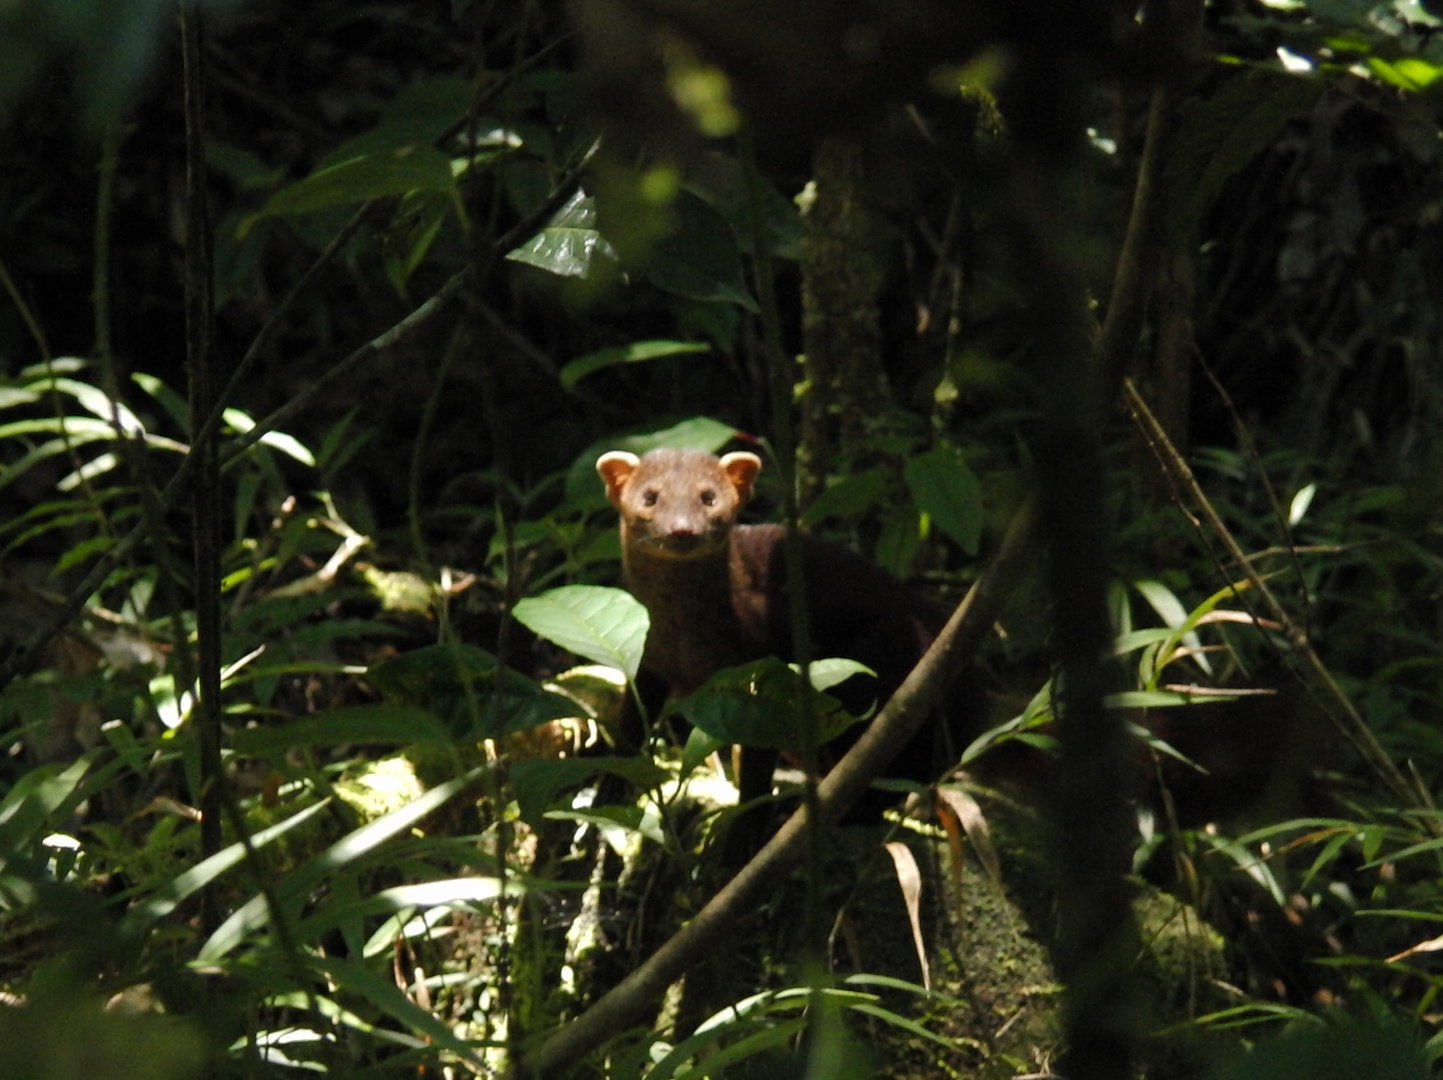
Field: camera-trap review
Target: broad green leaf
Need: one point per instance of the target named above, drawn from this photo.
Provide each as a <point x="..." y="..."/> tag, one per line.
<point x="699" y="746"/>
<point x="851" y="497"/>
<point x="388" y="171"/>
<point x="469" y="689"/>
<point x="607" y="626"/>
<point x="418" y="116"/>
<point x="696" y="433"/>
<point x="537" y="782"/>
<point x="723" y="184"/>
<point x="1217" y="135"/>
<point x="635" y="353"/>
<point x="946" y="489"/>
<point x="700" y="259"/>
<point x="833" y="671"/>
<point x="569" y="244"/>
<point x="1342" y="1047"/>
<point x="897" y="545"/>
<point x="758" y="705"/>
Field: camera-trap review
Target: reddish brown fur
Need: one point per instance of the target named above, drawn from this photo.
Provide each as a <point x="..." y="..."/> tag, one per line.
<point x="718" y="596"/>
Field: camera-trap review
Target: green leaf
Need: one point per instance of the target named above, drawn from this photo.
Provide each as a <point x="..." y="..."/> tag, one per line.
<point x="164" y="900"/>
<point x="1217" y="136"/>
<point x="469" y="689"/>
<point x="569" y="244"/>
<point x="417" y="224"/>
<point x="297" y="888"/>
<point x="724" y="183"/>
<point x="851" y="497"/>
<point x="897" y="545"/>
<point x="383" y="993"/>
<point x="454" y="893"/>
<point x="95" y="401"/>
<point x="1161" y="699"/>
<point x="606" y="626"/>
<point x="175" y="406"/>
<point x="760" y="704"/>
<point x="242" y="424"/>
<point x="949" y="492"/>
<point x="28" y="805"/>
<point x="389" y="171"/>
<point x="389" y="724"/>
<point x="700" y="259"/>
<point x="635" y="353"/>
<point x="537" y="782"/>
<point x="1344" y="1047"/>
<point x="835" y="670"/>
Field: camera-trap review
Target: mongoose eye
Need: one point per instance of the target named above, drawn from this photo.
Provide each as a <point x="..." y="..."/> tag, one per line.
<point x="708" y="497"/>
<point x="648" y="497"/>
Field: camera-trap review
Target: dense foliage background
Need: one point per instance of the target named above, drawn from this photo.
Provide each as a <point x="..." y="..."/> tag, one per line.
<point x="313" y="320"/>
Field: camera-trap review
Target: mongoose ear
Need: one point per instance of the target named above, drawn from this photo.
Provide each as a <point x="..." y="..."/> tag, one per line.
<point x="741" y="469"/>
<point x="615" y="468"/>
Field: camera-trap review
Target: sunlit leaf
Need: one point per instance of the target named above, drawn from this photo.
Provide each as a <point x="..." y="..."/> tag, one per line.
<point x="570" y="244"/>
<point x="607" y="626"/>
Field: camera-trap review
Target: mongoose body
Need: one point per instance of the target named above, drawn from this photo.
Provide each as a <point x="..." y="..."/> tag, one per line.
<point x="718" y="596"/>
